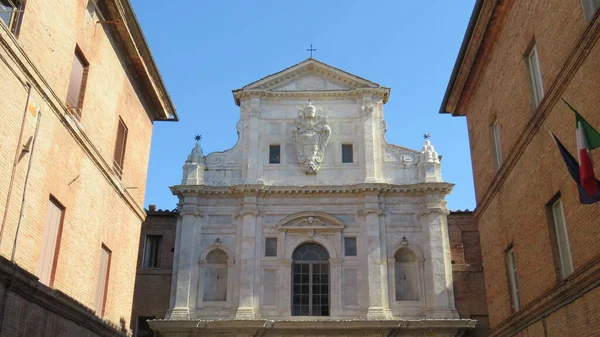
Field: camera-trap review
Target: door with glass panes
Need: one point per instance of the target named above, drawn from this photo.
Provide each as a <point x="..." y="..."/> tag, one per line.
<point x="310" y="281"/>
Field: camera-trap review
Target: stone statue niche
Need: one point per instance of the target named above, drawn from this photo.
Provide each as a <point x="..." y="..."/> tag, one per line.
<point x="310" y="134"/>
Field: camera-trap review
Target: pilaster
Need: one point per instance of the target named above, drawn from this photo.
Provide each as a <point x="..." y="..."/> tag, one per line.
<point x="190" y="216"/>
<point x="249" y="213"/>
<point x="371" y="213"/>
<point x="371" y="141"/>
<point x="438" y="268"/>
<point x="251" y="140"/>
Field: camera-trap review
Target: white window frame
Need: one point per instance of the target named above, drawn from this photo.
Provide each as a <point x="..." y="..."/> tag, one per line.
<point x="562" y="239"/>
<point x="590" y="7"/>
<point x="536" y="76"/>
<point x="513" y="279"/>
<point x="496" y="143"/>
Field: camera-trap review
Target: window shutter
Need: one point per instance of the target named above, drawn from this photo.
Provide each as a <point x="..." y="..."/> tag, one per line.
<point x="75" y="82"/>
<point x="119" y="156"/>
<point x="52" y="226"/>
<point x="102" y="281"/>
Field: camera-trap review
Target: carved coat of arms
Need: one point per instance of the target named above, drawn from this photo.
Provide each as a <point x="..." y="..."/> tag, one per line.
<point x="310" y="134"/>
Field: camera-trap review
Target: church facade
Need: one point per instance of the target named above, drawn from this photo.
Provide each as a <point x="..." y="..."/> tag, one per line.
<point x="312" y="223"/>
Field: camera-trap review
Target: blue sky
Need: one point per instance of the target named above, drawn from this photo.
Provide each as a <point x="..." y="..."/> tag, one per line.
<point x="205" y="49"/>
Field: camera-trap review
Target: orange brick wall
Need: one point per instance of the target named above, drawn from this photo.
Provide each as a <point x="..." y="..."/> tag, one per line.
<point x="72" y="160"/>
<point x="467" y="270"/>
<point x="153" y="286"/>
<point x="517" y="212"/>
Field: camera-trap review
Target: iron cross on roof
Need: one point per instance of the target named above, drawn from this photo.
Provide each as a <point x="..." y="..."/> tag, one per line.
<point x="311" y="49"/>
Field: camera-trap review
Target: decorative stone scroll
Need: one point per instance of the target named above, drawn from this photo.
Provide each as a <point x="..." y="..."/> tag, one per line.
<point x="310" y="134"/>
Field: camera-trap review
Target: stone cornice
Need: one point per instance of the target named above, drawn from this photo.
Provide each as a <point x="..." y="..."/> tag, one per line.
<point x="32" y="76"/>
<point x="552" y="96"/>
<point x="346" y="189"/>
<point x="381" y="93"/>
<point x="390" y="327"/>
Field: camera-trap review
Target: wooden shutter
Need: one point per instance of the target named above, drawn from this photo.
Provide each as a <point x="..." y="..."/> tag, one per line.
<point x="119" y="157"/>
<point x="76" y="82"/>
<point x="48" y="252"/>
<point x="102" y="287"/>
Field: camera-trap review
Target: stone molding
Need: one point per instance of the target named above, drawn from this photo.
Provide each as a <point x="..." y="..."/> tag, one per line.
<point x="310" y="327"/>
<point x="193" y="190"/>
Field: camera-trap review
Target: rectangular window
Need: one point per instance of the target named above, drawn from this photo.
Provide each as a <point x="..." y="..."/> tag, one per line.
<point x="274" y="154"/>
<point x="349" y="246"/>
<point x="11" y="13"/>
<point x="590" y="7"/>
<point x="496" y="148"/>
<point x="79" y="70"/>
<point x="50" y="241"/>
<point x="347" y="154"/>
<point x="143" y="329"/>
<point x="562" y="239"/>
<point x="271" y="247"/>
<point x="513" y="279"/>
<point x="102" y="286"/>
<point x="536" y="76"/>
<point x="120" y="145"/>
<point x="152" y="251"/>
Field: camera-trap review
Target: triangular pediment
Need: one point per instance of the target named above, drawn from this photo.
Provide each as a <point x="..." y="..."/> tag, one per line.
<point x="310" y="75"/>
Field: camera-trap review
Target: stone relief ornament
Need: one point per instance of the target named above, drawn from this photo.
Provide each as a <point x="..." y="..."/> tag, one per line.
<point x="310" y="134"/>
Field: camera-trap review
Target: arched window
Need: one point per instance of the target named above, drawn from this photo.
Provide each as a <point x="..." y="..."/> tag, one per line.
<point x="310" y="281"/>
<point x="407" y="275"/>
<point x="215" y="276"/>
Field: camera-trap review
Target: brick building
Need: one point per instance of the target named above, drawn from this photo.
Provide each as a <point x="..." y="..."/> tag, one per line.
<point x="155" y="264"/>
<point x="539" y="244"/>
<point x="80" y="94"/>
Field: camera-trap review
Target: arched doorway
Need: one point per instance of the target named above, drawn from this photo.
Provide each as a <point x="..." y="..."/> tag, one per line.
<point x="310" y="281"/>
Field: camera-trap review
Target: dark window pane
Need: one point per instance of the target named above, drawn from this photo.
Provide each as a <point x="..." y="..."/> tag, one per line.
<point x="347" y="153"/>
<point x="271" y="247"/>
<point x="274" y="154"/>
<point x="349" y="246"/>
<point x="152" y="250"/>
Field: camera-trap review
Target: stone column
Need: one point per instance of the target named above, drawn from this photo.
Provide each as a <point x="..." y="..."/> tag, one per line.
<point x="335" y="266"/>
<point x="371" y="230"/>
<point x="437" y="267"/>
<point x="285" y="279"/>
<point x="251" y="148"/>
<point x="371" y="141"/>
<point x="249" y="213"/>
<point x="190" y="216"/>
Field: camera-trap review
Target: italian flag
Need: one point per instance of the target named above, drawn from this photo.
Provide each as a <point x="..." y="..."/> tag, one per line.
<point x="587" y="139"/>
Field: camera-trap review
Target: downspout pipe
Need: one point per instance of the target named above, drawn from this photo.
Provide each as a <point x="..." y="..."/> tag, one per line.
<point x="24" y="199"/>
<point x="18" y="152"/>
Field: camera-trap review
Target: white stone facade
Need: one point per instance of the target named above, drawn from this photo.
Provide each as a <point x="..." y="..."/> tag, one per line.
<point x="389" y="200"/>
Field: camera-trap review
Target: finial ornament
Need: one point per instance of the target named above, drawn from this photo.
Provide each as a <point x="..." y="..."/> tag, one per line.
<point x="426" y="135"/>
<point x="197" y="137"/>
<point x="310" y="134"/>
